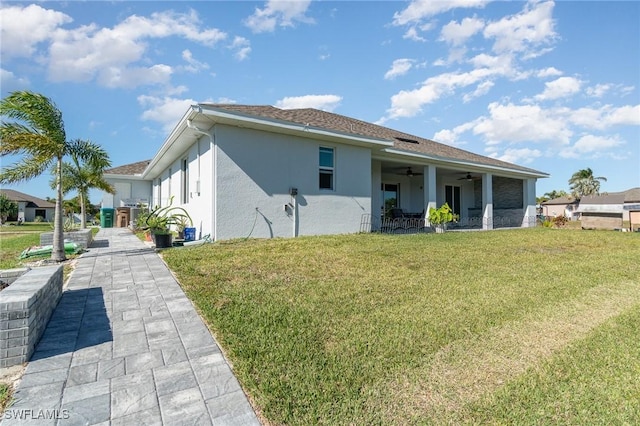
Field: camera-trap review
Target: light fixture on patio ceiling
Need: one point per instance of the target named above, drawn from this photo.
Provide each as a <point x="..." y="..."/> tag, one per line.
<point x="469" y="177"/>
<point x="410" y="173"/>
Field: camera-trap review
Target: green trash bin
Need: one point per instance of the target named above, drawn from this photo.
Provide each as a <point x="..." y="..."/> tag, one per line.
<point x="106" y="217"/>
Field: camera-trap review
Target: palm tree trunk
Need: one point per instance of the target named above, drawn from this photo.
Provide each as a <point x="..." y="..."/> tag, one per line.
<point x="83" y="215"/>
<point x="58" y="254"/>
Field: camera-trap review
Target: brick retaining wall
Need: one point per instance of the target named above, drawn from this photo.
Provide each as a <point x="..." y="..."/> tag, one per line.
<point x="7" y="276"/>
<point x="81" y="237"/>
<point x="25" y="308"/>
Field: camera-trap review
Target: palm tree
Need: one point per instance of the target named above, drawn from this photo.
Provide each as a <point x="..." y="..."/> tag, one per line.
<point x="583" y="183"/>
<point x="551" y="195"/>
<point x="38" y="135"/>
<point x="85" y="171"/>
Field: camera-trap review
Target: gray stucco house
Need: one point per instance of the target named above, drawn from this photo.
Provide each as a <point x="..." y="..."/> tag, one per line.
<point x="261" y="171"/>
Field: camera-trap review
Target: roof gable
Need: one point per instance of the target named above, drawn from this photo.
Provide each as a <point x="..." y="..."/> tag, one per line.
<point x="129" y="169"/>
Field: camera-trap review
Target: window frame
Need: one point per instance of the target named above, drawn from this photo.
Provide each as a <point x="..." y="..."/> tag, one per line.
<point x="327" y="170"/>
<point x="184" y="180"/>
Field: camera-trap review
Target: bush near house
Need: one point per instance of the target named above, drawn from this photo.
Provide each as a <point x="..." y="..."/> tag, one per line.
<point x="526" y="326"/>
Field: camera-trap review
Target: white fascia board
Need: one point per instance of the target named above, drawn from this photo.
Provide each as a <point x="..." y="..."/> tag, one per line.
<point x="123" y="177"/>
<point x="459" y="163"/>
<point x="600" y="208"/>
<point x="160" y="159"/>
<point x="283" y="127"/>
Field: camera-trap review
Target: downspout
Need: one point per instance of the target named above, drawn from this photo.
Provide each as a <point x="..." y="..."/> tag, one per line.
<point x="211" y="137"/>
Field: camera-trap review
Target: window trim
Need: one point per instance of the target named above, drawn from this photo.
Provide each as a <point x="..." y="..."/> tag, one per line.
<point x="184" y="177"/>
<point x="327" y="170"/>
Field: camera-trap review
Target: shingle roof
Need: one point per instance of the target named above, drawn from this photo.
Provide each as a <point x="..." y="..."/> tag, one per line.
<point x="628" y="196"/>
<point x="632" y="196"/>
<point x="31" y="201"/>
<point x="340" y="123"/>
<point x="560" y="200"/>
<point x="129" y="169"/>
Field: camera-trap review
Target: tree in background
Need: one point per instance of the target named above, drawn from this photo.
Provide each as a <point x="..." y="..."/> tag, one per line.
<point x="7" y="208"/>
<point x="551" y="195"/>
<point x="582" y="183"/>
<point x="38" y="135"/>
<point x="85" y="171"/>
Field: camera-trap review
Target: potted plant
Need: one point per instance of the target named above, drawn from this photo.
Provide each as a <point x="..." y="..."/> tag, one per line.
<point x="439" y="217"/>
<point x="182" y="223"/>
<point x="160" y="220"/>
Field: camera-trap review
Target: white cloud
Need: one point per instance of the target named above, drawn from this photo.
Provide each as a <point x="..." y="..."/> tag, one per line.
<point x="517" y="155"/>
<point x="598" y="90"/>
<point x="457" y="33"/>
<point x="194" y="65"/>
<point x="592" y="146"/>
<point x="548" y="72"/>
<point x="421" y="9"/>
<point x="398" y="68"/>
<point x="164" y="110"/>
<point x="625" y="115"/>
<point x="559" y="88"/>
<point x="522" y="123"/>
<point x="412" y="34"/>
<point x="10" y="82"/>
<point x="135" y="76"/>
<point x="115" y="57"/>
<point x="482" y="89"/>
<point x="22" y="28"/>
<point x="408" y="103"/>
<point x="446" y="136"/>
<point x="323" y="102"/>
<point x="242" y="47"/>
<point x="531" y="28"/>
<point x="278" y="13"/>
<point x="602" y="118"/>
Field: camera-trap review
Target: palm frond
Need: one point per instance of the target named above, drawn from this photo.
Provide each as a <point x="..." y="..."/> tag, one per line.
<point x="37" y="112"/>
<point x="90" y="153"/>
<point x="29" y="168"/>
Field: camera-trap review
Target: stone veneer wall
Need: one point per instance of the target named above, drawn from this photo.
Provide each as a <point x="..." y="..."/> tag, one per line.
<point x="507" y="193"/>
<point x="81" y="237"/>
<point x="25" y="308"/>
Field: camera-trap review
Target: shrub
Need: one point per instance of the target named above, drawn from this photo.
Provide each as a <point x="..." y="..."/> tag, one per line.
<point x="38" y="219"/>
<point x="560" y="221"/>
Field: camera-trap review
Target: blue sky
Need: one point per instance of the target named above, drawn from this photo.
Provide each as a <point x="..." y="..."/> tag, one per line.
<point x="554" y="86"/>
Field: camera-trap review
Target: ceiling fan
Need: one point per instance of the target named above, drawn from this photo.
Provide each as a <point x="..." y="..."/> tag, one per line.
<point x="410" y="173"/>
<point x="470" y="177"/>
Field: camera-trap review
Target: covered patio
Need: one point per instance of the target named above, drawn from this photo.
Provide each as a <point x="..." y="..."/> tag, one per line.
<point x="483" y="197"/>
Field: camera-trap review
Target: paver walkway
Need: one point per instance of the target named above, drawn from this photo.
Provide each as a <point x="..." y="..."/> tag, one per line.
<point x="126" y="347"/>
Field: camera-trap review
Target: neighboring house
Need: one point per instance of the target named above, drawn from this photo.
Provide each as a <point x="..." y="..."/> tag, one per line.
<point x="631" y="208"/>
<point x="133" y="193"/>
<point x="562" y="206"/>
<point x="614" y="210"/>
<point x="261" y="171"/>
<point x="30" y="207"/>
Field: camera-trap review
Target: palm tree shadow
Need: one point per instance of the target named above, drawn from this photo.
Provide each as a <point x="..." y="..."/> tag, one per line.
<point x="79" y="321"/>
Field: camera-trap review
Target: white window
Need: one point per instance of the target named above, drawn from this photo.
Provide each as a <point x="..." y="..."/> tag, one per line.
<point x="327" y="169"/>
<point x="184" y="180"/>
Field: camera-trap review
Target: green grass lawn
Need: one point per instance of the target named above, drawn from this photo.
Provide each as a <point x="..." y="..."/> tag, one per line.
<point x="536" y="326"/>
<point x="14" y="239"/>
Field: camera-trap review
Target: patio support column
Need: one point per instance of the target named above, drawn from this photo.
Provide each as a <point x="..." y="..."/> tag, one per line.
<point x="487" y="201"/>
<point x="429" y="188"/>
<point x="529" y="203"/>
